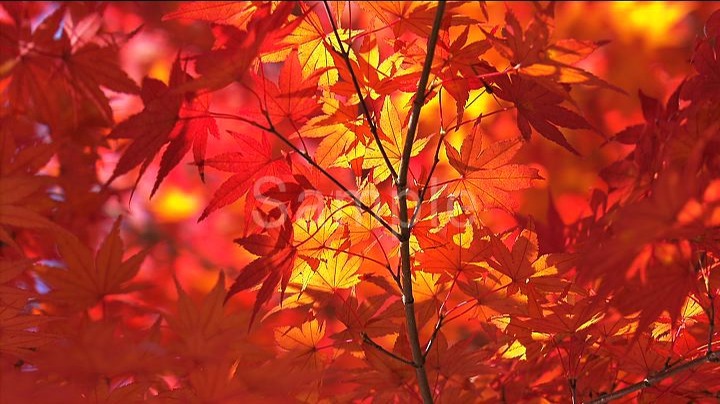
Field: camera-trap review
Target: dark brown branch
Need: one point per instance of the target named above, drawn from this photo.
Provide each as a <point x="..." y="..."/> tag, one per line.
<point x="402" y="191"/>
<point x="657" y="378"/>
<point x="368" y="340"/>
<point x="345" y="54"/>
<point x="271" y="129"/>
<point x="573" y="390"/>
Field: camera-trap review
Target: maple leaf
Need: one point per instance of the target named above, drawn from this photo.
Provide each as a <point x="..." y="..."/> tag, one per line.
<point x="316" y="49"/>
<point x="539" y="107"/>
<point x="48" y="71"/>
<point x="275" y="262"/>
<point x="516" y="263"/>
<point x="516" y="280"/>
<point x="459" y="362"/>
<point x="653" y="140"/>
<point x="206" y="330"/>
<point x="237" y="14"/>
<point x="335" y="271"/>
<point x="168" y="118"/>
<point x="85" y="280"/>
<point x="302" y="343"/>
<point x="254" y="161"/>
<point x="232" y="57"/>
<point x="292" y="101"/>
<point x="705" y="86"/>
<point x="531" y="52"/>
<point x="393" y="141"/>
<point x="486" y="175"/>
<point x="415" y="17"/>
<point x="635" y="225"/>
<point x="458" y="59"/>
<point x="315" y="232"/>
<point x="521" y="265"/>
<point x="96" y="350"/>
<point x="453" y="252"/>
<point x="361" y="227"/>
<point x="660" y="274"/>
<point x="369" y="316"/>
<point x="20" y="329"/>
<point x="340" y="130"/>
<point x="17" y="194"/>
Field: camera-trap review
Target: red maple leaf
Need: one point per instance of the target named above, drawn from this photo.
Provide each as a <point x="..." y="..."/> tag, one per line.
<point x="457" y="75"/>
<point x="255" y="160"/>
<point x="539" y="107"/>
<point x="47" y="72"/>
<point x="236" y="49"/>
<point x="414" y="17"/>
<point x="293" y="100"/>
<point x="706" y="84"/>
<point x="169" y="117"/>
<point x="275" y="262"/>
<point x="90" y="277"/>
<point x="531" y="52"/>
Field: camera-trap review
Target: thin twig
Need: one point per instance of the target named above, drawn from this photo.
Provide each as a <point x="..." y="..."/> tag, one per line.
<point x="306" y="157"/>
<point x="434" y="335"/>
<point x="711" y="321"/>
<point x="423" y="191"/>
<point x="497" y="111"/>
<point x="345" y="54"/>
<point x="441" y="316"/>
<point x="657" y="378"/>
<point x="368" y="340"/>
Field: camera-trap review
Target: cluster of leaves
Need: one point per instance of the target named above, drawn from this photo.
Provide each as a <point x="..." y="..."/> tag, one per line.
<point x="375" y="265"/>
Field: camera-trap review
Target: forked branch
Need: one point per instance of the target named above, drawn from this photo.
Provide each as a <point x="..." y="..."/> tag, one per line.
<point x="711" y="356"/>
<point x="345" y="55"/>
<point x="650" y="381"/>
<point x="271" y="129"/>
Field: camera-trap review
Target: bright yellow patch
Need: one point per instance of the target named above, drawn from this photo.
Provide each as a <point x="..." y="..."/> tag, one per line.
<point x="174" y="204"/>
<point x="515" y="350"/>
<point x="654" y="21"/>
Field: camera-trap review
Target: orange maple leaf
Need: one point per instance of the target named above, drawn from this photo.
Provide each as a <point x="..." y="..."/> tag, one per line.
<point x="487" y="176"/>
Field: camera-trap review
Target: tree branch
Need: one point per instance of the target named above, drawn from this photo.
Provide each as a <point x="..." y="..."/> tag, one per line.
<point x="345" y="54"/>
<point x="434" y="335"/>
<point x="271" y="129"/>
<point x="406" y="269"/>
<point x="711" y="357"/>
<point x="368" y="340"/>
<point x="573" y="390"/>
